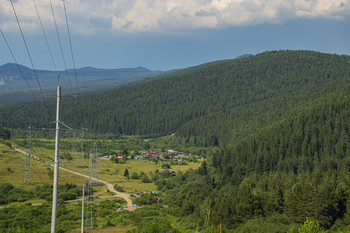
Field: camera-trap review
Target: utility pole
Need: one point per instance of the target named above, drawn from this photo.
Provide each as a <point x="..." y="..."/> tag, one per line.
<point x="82" y="148"/>
<point x="89" y="218"/>
<point x="93" y="169"/>
<point x="57" y="148"/>
<point x="82" y="211"/>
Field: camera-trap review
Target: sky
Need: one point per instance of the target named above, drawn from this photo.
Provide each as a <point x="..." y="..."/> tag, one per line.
<point x="166" y="34"/>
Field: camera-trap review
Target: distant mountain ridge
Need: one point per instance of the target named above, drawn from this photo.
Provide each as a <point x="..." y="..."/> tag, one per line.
<point x="14" y="89"/>
<point x="10" y="72"/>
<point x="88" y="70"/>
<point x="210" y="104"/>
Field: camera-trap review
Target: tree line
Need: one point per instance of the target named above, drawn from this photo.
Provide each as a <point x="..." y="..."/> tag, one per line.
<point x="277" y="178"/>
<point x="231" y="98"/>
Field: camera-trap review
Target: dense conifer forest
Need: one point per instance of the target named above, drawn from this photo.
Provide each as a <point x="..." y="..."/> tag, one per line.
<point x="231" y="98"/>
<point x="276" y="126"/>
<point x="283" y="174"/>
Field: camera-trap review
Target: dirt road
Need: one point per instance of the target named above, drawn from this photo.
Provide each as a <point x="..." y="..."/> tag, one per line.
<point x="109" y="185"/>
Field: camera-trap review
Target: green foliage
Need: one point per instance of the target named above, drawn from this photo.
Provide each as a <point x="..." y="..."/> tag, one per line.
<point x="310" y="226"/>
<point x="313" y="139"/>
<point x="9" y="193"/>
<point x="27" y="218"/>
<point x="166" y="165"/>
<point x="281" y="120"/>
<point x="126" y="173"/>
<point x="298" y="167"/>
<point x="154" y="225"/>
<point x="275" y="224"/>
<point x="231" y="98"/>
<point x="66" y="155"/>
<point x="145" y="179"/>
<point x="146" y="199"/>
<point x="50" y="172"/>
<point x="4" y="190"/>
<point x="107" y="207"/>
<point x="146" y="146"/>
<point x="152" y="220"/>
<point x="135" y="176"/>
<point x="4" y="133"/>
<point x="118" y="188"/>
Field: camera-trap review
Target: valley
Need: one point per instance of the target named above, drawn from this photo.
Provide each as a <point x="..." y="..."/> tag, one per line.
<point x="255" y="144"/>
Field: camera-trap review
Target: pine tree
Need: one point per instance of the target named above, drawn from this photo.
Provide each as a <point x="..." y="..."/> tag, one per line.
<point x="126" y="173"/>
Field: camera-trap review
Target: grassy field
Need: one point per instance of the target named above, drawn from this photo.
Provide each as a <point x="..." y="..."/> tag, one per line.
<point x="12" y="166"/>
<point x="113" y="173"/>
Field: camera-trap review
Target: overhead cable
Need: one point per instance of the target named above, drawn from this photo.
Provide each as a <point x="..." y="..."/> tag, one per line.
<point x="30" y="57"/>
<point x="60" y="44"/>
<point x="42" y="28"/>
<point x="71" y="48"/>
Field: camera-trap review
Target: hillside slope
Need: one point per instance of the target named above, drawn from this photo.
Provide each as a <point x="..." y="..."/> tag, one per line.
<point x="295" y="169"/>
<point x="208" y="104"/>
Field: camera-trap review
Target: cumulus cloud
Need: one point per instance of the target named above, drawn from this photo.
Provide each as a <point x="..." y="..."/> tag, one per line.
<point x="91" y="16"/>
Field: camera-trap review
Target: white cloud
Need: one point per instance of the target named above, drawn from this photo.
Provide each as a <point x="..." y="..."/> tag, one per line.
<point x="91" y="16"/>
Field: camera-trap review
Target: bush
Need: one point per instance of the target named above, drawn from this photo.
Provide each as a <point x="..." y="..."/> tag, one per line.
<point x="135" y="176"/>
<point x="165" y="165"/>
<point x="310" y="226"/>
<point x="155" y="225"/>
<point x="18" y="195"/>
<point x="67" y="196"/>
<point x="118" y="188"/>
<point x="5" y="188"/>
<point x="145" y="179"/>
<point x="146" y="199"/>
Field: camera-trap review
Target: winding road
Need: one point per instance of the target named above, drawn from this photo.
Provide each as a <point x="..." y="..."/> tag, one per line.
<point x="109" y="185"/>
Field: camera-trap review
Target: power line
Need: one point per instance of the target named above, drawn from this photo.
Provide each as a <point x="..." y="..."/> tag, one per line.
<point x="60" y="44"/>
<point x="42" y="28"/>
<point x="71" y="48"/>
<point x="19" y="68"/>
<point x="30" y="57"/>
<point x="73" y="59"/>
<point x="22" y="74"/>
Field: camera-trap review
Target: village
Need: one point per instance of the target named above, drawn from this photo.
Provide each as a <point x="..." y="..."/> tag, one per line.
<point x="155" y="155"/>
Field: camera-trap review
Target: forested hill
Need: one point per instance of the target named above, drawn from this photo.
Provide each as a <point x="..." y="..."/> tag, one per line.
<point x="208" y="104"/>
<point x="315" y="138"/>
<point x="295" y="169"/>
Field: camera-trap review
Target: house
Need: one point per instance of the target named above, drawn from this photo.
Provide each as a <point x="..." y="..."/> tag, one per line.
<point x="199" y="157"/>
<point x="120" y="156"/>
<point x="180" y="156"/>
<point x="173" y="152"/>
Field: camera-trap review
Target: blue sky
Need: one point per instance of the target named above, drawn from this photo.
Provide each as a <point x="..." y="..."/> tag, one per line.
<point x="169" y="34"/>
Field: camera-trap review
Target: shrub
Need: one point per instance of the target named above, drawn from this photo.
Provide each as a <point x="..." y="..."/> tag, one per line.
<point x="135" y="176"/>
<point x="145" y="179"/>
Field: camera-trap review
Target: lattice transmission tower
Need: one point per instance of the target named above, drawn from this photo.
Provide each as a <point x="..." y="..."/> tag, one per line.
<point x="27" y="172"/>
<point x="93" y="168"/>
<point x="74" y="147"/>
<point x="93" y="178"/>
